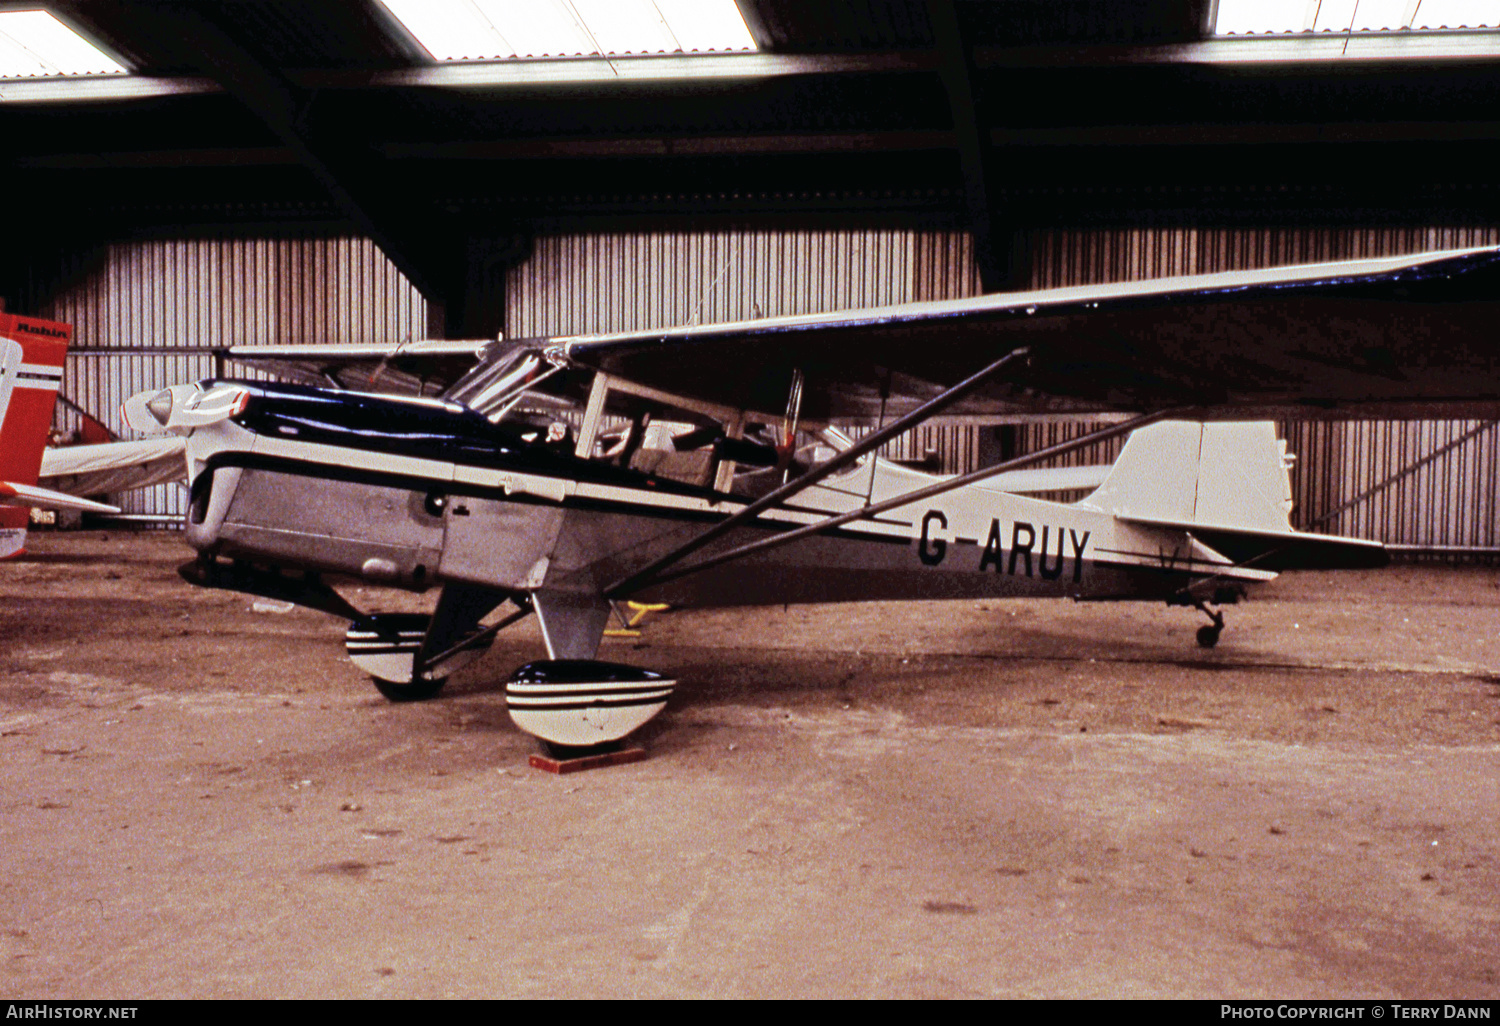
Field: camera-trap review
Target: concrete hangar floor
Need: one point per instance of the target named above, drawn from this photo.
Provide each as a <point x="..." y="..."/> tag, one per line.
<point x="1001" y="798"/>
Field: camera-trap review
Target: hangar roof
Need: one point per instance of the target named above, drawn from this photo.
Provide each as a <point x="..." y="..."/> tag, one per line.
<point x="994" y="115"/>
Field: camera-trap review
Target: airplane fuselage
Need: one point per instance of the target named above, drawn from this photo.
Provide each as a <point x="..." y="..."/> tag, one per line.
<point x="417" y="493"/>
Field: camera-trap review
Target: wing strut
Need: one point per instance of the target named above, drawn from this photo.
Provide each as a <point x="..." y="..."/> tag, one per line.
<point x="639" y="582"/>
<point x="869" y="443"/>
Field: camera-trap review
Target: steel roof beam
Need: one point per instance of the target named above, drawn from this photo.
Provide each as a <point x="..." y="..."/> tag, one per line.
<point x="489" y="76"/>
<point x="574" y="71"/>
<point x="897" y="141"/>
<point x="957" y="71"/>
<point x="281" y="105"/>
<point x="1308" y="51"/>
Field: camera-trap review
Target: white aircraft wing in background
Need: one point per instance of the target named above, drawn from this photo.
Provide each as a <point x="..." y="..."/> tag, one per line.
<point x="113" y="466"/>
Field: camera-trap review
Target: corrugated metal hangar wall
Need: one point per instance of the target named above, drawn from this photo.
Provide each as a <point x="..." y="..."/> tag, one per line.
<point x="145" y="313"/>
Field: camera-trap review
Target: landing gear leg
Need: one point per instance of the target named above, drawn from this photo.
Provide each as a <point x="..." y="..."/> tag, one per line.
<point x="572" y="622"/>
<point x="410" y="655"/>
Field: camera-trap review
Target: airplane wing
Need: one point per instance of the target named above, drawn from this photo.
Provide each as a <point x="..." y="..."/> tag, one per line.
<point x="1400" y="337"/>
<point x="415" y="368"/>
<point x="114" y="466"/>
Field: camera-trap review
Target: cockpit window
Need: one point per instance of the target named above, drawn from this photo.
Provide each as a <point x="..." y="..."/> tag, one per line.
<point x="639" y="429"/>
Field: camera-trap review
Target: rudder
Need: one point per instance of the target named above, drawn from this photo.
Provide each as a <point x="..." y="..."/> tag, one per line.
<point x="31" y="362"/>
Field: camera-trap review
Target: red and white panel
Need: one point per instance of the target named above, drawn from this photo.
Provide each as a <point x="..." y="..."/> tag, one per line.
<point x="31" y="363"/>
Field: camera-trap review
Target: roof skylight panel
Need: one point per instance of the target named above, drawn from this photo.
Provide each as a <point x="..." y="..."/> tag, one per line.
<point x="1363" y="15"/>
<point x="529" y="29"/>
<point x="536" y="29"/>
<point x="35" y="44"/>
<point x="705" y="26"/>
<point x="451" y="31"/>
<point x="1258" y="17"/>
<point x="1239" y="17"/>
<point x="1454" y="14"/>
<point x="626" y="26"/>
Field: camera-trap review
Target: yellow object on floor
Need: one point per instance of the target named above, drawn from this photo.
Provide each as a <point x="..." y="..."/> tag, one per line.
<point x="638" y="613"/>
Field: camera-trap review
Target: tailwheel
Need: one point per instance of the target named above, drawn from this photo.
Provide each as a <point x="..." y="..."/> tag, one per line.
<point x="1208" y="634"/>
<point x="1199" y="599"/>
<point x="385" y="645"/>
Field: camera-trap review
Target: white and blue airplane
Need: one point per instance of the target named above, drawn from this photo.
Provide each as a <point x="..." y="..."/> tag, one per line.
<point x="709" y="465"/>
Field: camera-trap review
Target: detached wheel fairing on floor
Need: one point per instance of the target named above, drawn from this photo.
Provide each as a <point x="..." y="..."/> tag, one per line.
<point x="581" y="703"/>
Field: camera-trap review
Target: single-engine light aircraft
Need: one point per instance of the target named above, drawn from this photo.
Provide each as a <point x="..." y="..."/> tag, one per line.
<point x="711" y="464"/>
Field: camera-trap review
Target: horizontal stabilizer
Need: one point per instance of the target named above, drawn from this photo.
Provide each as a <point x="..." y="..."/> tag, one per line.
<point x="46" y="498"/>
<point x="1280" y="550"/>
<point x="1048" y="479"/>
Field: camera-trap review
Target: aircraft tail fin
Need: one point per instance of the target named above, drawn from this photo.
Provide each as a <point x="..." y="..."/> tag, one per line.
<point x="1229" y="485"/>
<point x="1230" y="474"/>
<point x="31" y="362"/>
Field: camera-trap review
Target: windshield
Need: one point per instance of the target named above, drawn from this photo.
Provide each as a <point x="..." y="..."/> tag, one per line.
<point x="497" y="384"/>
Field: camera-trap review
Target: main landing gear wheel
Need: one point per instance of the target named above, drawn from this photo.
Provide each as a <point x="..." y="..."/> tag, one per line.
<point x="385" y="646"/>
<point x="414" y="690"/>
